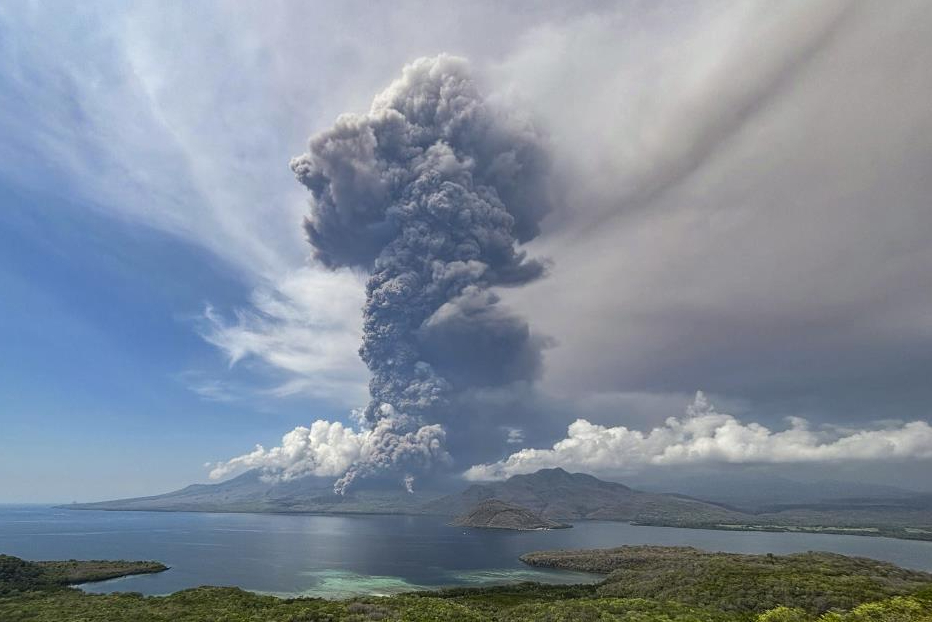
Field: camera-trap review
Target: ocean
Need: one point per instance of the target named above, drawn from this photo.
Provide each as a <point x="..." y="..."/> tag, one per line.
<point x="336" y="556"/>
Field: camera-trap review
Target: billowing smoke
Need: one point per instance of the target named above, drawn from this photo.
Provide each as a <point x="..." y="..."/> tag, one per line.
<point x="328" y="449"/>
<point x="431" y="191"/>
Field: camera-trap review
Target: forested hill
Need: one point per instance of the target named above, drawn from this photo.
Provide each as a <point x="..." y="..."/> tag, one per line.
<point x="643" y="584"/>
<point x="559" y="495"/>
<point x="495" y="514"/>
<point x="814" y="582"/>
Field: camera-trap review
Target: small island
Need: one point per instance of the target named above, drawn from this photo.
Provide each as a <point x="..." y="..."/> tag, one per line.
<point x="495" y="514"/>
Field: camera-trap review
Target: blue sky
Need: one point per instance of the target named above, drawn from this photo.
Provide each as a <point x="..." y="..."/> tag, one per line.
<point x="743" y="195"/>
<point x="149" y="222"/>
<point x="102" y="358"/>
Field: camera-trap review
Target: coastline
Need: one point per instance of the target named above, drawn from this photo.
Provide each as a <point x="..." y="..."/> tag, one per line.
<point x="903" y="533"/>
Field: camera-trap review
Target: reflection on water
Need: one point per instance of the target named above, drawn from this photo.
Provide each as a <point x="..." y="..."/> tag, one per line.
<point x="337" y="556"/>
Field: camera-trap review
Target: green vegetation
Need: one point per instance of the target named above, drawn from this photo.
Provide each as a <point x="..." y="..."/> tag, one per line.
<point x="495" y="514"/>
<point x="72" y="572"/>
<point x="815" y="582"/>
<point x="18" y="576"/>
<point x="643" y="584"/>
<point x="884" y="525"/>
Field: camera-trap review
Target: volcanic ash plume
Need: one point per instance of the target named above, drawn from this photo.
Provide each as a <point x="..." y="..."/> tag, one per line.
<point x="430" y="191"/>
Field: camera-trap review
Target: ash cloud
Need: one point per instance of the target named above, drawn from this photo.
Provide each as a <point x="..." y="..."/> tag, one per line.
<point x="431" y="192"/>
<point x="752" y="183"/>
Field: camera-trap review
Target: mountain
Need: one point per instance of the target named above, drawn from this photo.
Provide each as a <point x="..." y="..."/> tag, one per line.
<point x="756" y="492"/>
<point x="551" y="493"/>
<point x="250" y="493"/>
<point x="495" y="514"/>
<point x="556" y="494"/>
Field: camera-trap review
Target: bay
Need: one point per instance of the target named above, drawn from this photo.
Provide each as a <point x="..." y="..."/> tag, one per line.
<point x="337" y="556"/>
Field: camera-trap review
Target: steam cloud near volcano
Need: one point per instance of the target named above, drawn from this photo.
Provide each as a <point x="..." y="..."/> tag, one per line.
<point x="430" y="191"/>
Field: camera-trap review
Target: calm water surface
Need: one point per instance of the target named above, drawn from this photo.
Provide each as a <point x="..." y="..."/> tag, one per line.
<point x="337" y="556"/>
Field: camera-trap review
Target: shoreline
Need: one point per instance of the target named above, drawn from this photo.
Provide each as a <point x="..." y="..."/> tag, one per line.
<point x="904" y="533"/>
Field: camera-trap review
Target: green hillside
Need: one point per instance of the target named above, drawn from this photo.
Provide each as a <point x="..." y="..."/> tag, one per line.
<point x="643" y="584"/>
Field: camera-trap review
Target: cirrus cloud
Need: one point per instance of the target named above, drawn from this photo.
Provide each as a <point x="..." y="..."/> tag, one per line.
<point x="305" y="326"/>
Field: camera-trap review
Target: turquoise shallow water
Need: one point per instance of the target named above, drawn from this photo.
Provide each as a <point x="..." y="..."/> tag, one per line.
<point x="345" y="584"/>
<point x="339" y="556"/>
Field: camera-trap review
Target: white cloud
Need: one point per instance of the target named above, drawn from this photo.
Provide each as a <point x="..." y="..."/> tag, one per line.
<point x="705" y="436"/>
<point x="330" y="449"/>
<point x="784" y="251"/>
<point x="307" y="326"/>
<point x="325" y="449"/>
<point x="184" y="119"/>
<point x="159" y="116"/>
<point x="210" y="389"/>
<point x="515" y="436"/>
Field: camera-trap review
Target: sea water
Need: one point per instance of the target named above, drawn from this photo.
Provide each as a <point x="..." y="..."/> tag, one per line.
<point x="336" y="556"/>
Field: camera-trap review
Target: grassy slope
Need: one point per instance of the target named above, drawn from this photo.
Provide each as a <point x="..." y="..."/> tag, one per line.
<point x="659" y="601"/>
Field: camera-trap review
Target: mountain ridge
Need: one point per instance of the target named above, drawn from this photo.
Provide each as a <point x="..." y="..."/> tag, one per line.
<point x="554" y="494"/>
<point x="559" y="495"/>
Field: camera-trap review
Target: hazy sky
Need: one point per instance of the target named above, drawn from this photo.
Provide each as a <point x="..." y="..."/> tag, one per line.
<point x="742" y="207"/>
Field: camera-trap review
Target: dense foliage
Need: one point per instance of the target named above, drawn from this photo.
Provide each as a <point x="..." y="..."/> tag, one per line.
<point x="38" y="596"/>
<point x="19" y="576"/>
<point x="814" y="582"/>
